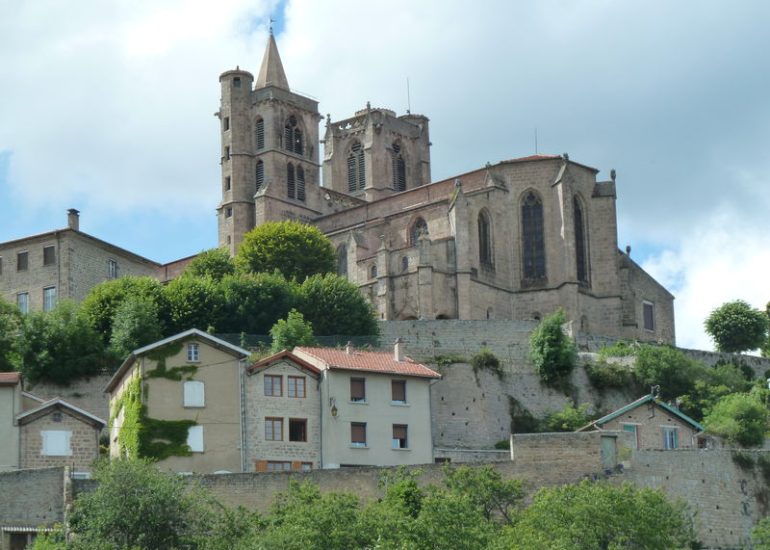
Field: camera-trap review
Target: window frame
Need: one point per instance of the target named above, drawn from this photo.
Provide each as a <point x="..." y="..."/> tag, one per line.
<point x="648" y="306"/>
<point x="24" y="254"/>
<point x="359" y="444"/>
<point x="112" y="269"/>
<point x="484" y="226"/>
<point x="193" y="394"/>
<point x="19" y="301"/>
<point x="393" y="399"/>
<point x="193" y="352"/>
<point x="624" y="427"/>
<point x="273" y="421"/>
<point x="356" y="380"/>
<point x="667" y="431"/>
<point x="533" y="258"/>
<point x="272" y="378"/>
<point x="278" y="466"/>
<point x="295" y="380"/>
<point x="400" y="443"/>
<point x="297" y="423"/>
<point x="47" y="439"/>
<point x="49" y="301"/>
<point x="49" y="255"/>
<point x="195" y="439"/>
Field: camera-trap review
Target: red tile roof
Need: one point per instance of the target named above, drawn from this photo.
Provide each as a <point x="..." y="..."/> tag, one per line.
<point x="267" y="361"/>
<point x="9" y="378"/>
<point x="372" y="361"/>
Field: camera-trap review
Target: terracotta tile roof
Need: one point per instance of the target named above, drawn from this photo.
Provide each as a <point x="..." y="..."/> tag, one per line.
<point x="372" y="361"/>
<point x="267" y="361"/>
<point x="9" y="378"/>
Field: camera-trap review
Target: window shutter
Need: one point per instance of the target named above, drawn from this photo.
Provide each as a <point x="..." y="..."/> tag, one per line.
<point x="194" y="394"/>
<point x="56" y="442"/>
<point x="195" y="438"/>
<point x="260" y="174"/>
<point x="398" y="388"/>
<point x="357" y="389"/>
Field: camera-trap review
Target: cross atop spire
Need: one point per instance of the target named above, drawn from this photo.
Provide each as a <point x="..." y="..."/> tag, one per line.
<point x="271" y="73"/>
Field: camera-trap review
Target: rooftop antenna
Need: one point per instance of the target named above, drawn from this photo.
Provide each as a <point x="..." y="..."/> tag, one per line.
<point x="408" y="98"/>
<point x="271" y="25"/>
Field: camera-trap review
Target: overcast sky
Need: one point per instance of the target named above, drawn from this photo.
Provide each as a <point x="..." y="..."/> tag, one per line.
<point x="106" y="106"/>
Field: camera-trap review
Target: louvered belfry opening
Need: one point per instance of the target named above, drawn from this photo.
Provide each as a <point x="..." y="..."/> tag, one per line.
<point x="260" y="174"/>
<point x="260" y="133"/>
<point x="290" y="183"/>
<point x="292" y="136"/>
<point x="399" y="168"/>
<point x="300" y="183"/>
<point x="356" y="168"/>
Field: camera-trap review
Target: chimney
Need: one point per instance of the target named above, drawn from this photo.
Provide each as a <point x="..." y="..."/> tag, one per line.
<point x="398" y="350"/>
<point x="73" y="219"/>
<point x="349" y="348"/>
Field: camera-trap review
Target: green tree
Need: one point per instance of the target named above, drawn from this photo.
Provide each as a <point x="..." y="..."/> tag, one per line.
<point x="713" y="384"/>
<point x="215" y="263"/>
<point x="760" y="535"/>
<point x="568" y="419"/>
<point x="335" y="306"/>
<point x="10" y="329"/>
<point x="736" y="327"/>
<point x="103" y="300"/>
<point x="291" y="332"/>
<point x="494" y="496"/>
<point x="551" y="351"/>
<point x="254" y="302"/>
<point x="193" y="302"/>
<point x="135" y="324"/>
<point x="295" y="249"/>
<point x="741" y="418"/>
<point x="60" y="345"/>
<point x="591" y="515"/>
<point x="668" y="368"/>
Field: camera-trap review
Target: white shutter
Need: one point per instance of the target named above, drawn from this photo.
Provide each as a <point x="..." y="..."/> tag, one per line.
<point x="195" y="439"/>
<point x="56" y="442"/>
<point x="194" y="394"/>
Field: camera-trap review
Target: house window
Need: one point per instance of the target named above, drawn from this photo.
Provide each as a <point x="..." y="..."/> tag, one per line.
<point x="49" y="298"/>
<point x="194" y="394"/>
<point x="49" y="255"/>
<point x="195" y="438"/>
<point x="356" y="168"/>
<point x="632" y="429"/>
<point x="399" y="437"/>
<point x="670" y="438"/>
<point x="295" y="386"/>
<point x="358" y="390"/>
<point x="358" y="434"/>
<point x="260" y="174"/>
<point x="229" y="212"/>
<point x="273" y="429"/>
<point x="342" y="260"/>
<point x="581" y="256"/>
<point x="300" y="183"/>
<point x="259" y="131"/>
<point x="237" y="82"/>
<point x="112" y="269"/>
<point x="398" y="391"/>
<point x="273" y="385"/>
<point x="291" y="185"/>
<point x="278" y="466"/>
<point x="533" y="242"/>
<point x="297" y="429"/>
<point x="399" y="168"/>
<point x="56" y="443"/>
<point x="648" y="311"/>
<point x="193" y="353"/>
<point x="419" y="227"/>
<point x="485" y="239"/>
<point x="228" y="183"/>
<point x="292" y="136"/>
<point x="226" y="124"/>
<point x="22" y="302"/>
<point x="22" y="261"/>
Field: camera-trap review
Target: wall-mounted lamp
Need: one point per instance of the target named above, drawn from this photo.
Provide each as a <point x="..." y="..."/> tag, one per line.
<point x="333" y="403"/>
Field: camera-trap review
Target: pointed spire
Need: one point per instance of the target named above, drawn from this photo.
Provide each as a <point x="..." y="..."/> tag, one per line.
<point x="271" y="73"/>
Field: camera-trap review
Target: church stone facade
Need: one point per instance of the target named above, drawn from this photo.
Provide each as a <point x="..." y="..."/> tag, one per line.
<point x="513" y="240"/>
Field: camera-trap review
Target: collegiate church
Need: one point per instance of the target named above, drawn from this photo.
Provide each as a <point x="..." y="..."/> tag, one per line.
<point x="513" y="240"/>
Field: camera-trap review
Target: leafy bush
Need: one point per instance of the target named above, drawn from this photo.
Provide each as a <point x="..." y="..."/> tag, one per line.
<point x="736" y="327"/>
<point x="760" y="535"/>
<point x="568" y="419"/>
<point x="136" y="323"/>
<point x="253" y="303"/>
<point x="193" y="302"/>
<point x="333" y="305"/>
<point x="486" y="360"/>
<point x="740" y="418"/>
<point x="215" y="263"/>
<point x="295" y="249"/>
<point x="291" y="332"/>
<point x="605" y="374"/>
<point x="618" y="349"/>
<point x="551" y="351"/>
<point x="668" y="368"/>
<point x="10" y="328"/>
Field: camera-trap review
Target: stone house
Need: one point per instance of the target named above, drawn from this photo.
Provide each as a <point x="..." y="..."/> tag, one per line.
<point x="10" y="406"/>
<point x="652" y="424"/>
<point x="354" y="408"/>
<point x="513" y="240"/>
<point x="186" y="391"/>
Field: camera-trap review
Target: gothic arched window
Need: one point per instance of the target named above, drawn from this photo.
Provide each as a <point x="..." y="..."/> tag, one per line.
<point x="292" y="136"/>
<point x="356" y="168"/>
<point x="259" y="131"/>
<point x="399" y="168"/>
<point x="485" y="239"/>
<point x="290" y="183"/>
<point x="260" y="174"/>
<point x="300" y="183"/>
<point x="581" y="246"/>
<point x="418" y="228"/>
<point x="533" y="241"/>
<point x="342" y="260"/>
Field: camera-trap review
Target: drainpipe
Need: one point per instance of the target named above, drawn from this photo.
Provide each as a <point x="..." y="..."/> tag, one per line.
<point x="241" y="389"/>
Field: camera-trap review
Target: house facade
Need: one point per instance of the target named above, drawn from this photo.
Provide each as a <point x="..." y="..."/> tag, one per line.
<point x="652" y="424"/>
<point x="186" y="391"/>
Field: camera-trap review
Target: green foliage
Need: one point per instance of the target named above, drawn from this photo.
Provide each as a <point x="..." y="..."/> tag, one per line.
<point x="740" y="418"/>
<point x="59" y="345"/>
<point x="587" y="516"/>
<point x="291" y="332"/>
<point x="744" y="461"/>
<point x="193" y="302"/>
<point x="447" y="359"/>
<point x="618" y="349"/>
<point x="568" y="419"/>
<point x="760" y="535"/>
<point x="160" y="355"/>
<point x="103" y="300"/>
<point x="710" y="387"/>
<point x="487" y="490"/>
<point x="333" y="305"/>
<point x="551" y="351"/>
<point x="667" y="367"/>
<point x="10" y="329"/>
<point x="136" y="323"/>
<point x="214" y="263"/>
<point x="522" y="421"/>
<point x="606" y="374"/>
<point x="736" y="327"/>
<point x="254" y="302"/>
<point x="503" y="444"/>
<point x="486" y="360"/>
<point x="295" y="249"/>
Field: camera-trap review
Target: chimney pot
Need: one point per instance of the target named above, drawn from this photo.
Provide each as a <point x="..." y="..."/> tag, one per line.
<point x="349" y="348"/>
<point x="73" y="219"/>
<point x="398" y="350"/>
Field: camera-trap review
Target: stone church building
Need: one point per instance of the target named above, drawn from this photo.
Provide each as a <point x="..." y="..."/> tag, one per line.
<point x="513" y="240"/>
